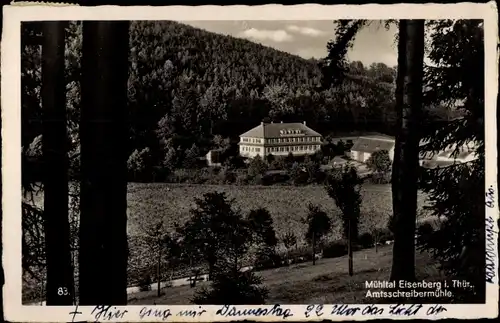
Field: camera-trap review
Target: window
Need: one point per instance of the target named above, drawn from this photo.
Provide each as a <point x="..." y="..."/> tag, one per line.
<point x="257" y="149"/>
<point x="281" y="149"/>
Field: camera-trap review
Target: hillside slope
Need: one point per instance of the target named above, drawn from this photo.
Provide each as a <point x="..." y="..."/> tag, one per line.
<point x="187" y="85"/>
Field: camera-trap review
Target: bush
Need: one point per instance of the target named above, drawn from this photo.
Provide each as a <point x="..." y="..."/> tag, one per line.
<point x="275" y="178"/>
<point x="385" y="235"/>
<point x="239" y="289"/>
<point x="267" y="261"/>
<point x="424" y="228"/>
<point x="366" y="240"/>
<point x="380" y="178"/>
<point x="335" y="249"/>
<point x="145" y="282"/>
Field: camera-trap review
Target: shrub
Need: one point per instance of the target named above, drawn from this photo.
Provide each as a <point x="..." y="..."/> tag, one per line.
<point x="385" y="235"/>
<point x="240" y="288"/>
<point x="145" y="282"/>
<point x="267" y="260"/>
<point x="335" y="249"/>
<point x="380" y="178"/>
<point x="366" y="240"/>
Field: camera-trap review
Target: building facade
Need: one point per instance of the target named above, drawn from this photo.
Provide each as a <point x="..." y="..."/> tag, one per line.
<point x="279" y="139"/>
<point x="364" y="147"/>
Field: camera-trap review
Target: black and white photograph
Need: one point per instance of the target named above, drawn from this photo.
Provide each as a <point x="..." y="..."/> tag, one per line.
<point x="248" y="162"/>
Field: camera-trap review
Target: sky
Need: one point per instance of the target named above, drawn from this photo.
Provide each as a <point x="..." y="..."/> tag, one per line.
<point x="308" y="38"/>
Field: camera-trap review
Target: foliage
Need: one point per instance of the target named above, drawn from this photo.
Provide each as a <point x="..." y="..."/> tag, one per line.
<point x="239" y="289"/>
<point x="139" y="164"/>
<point x="191" y="156"/>
<point x="379" y="161"/>
<point x="343" y="186"/>
<point x="298" y="174"/>
<point x="457" y="50"/>
<point x="256" y="167"/>
<point x="319" y="224"/>
<point x="216" y="232"/>
<point x="335" y="249"/>
<point x="145" y="282"/>
<point x="261" y="224"/>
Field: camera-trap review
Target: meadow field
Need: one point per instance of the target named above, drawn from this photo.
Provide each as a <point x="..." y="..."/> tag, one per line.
<point x="287" y="204"/>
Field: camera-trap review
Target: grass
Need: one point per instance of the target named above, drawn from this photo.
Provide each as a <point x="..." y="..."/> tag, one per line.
<point x="327" y="282"/>
<point x="287" y="204"/>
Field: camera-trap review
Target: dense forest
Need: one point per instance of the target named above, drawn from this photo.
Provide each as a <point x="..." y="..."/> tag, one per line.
<point x="191" y="90"/>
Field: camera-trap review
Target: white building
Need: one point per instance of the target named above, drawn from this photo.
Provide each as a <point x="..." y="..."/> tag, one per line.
<point x="279" y="139"/>
<point x="365" y="146"/>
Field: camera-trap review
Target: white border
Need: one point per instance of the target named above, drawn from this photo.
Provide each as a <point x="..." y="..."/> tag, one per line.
<point x="14" y="311"/>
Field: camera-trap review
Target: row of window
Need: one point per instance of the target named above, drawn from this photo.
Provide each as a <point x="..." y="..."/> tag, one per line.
<point x="252" y="140"/>
<point x="293" y="139"/>
<point x="281" y="140"/>
<point x="282" y="149"/>
<point x="292" y="148"/>
<point x="290" y="131"/>
<point x="252" y="149"/>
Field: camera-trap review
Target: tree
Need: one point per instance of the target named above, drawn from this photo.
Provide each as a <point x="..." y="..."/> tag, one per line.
<point x="261" y="225"/>
<point x="191" y="156"/>
<point x="379" y="161"/>
<point x="256" y="167"/>
<point x="298" y="174"/>
<point x="139" y="164"/>
<point x="409" y="112"/>
<point x="381" y="164"/>
<point x="319" y="224"/>
<point x="55" y="156"/>
<point x="456" y="192"/>
<point x="312" y="167"/>
<point x="343" y="186"/>
<point x="104" y="150"/>
<point x="216" y="232"/>
<point x="289" y="240"/>
<point x="160" y="243"/>
<point x="406" y="152"/>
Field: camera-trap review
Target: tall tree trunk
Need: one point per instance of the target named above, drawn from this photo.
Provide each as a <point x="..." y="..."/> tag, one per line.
<point x="349" y="247"/>
<point x="59" y="289"/>
<point x="104" y="140"/>
<point x="158" y="271"/>
<point x="314" y="248"/>
<point x="405" y="166"/>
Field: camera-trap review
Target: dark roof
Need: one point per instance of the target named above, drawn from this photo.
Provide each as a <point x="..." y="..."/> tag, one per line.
<point x="372" y="144"/>
<point x="277" y="130"/>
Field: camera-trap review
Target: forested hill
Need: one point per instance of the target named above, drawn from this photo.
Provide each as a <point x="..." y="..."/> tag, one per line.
<point x="188" y="85"/>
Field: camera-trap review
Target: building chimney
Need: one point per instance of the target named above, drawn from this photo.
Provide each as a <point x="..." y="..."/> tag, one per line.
<point x="281" y="121"/>
<point x="262" y="123"/>
<point x="304" y="123"/>
<point x="272" y="121"/>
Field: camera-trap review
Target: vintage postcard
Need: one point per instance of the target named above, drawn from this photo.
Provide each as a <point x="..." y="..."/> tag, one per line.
<point x="265" y="163"/>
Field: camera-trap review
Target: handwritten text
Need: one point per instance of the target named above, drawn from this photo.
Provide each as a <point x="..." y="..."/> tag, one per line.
<point x="276" y="310"/>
